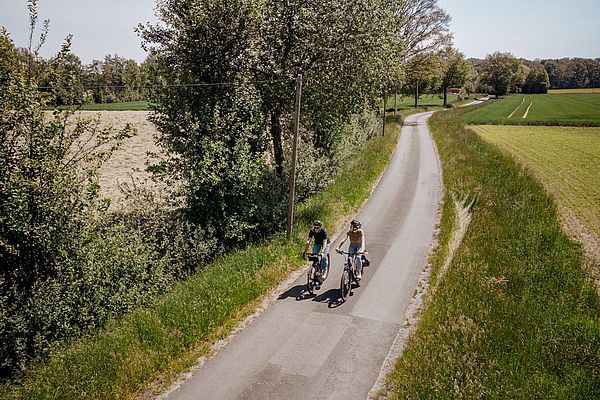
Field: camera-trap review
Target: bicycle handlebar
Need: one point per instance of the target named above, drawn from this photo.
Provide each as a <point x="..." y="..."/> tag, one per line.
<point x="349" y="254"/>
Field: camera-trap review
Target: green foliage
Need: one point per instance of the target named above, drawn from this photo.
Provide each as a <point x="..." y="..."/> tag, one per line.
<point x="48" y="196"/>
<point x="455" y="70"/>
<point x="514" y="316"/>
<point x="166" y="338"/>
<point x="573" y="73"/>
<point x="537" y="81"/>
<point x="218" y="137"/>
<point x="502" y="71"/>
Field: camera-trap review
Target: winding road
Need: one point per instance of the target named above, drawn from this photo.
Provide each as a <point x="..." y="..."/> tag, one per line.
<point x="304" y="347"/>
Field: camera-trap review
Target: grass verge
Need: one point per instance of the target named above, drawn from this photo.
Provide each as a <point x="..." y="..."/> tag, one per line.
<point x="155" y="344"/>
<point x="407" y="102"/>
<point x="565" y="159"/>
<point x="514" y="315"/>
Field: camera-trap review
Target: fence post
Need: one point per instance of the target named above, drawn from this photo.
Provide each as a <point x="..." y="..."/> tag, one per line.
<point x="292" y="199"/>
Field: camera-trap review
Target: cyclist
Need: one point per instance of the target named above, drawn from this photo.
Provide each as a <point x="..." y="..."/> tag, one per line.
<point x="321" y="243"/>
<point x="357" y="245"/>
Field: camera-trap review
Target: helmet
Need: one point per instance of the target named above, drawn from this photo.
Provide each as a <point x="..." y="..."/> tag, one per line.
<point x="356" y="224"/>
<point x="317" y="223"/>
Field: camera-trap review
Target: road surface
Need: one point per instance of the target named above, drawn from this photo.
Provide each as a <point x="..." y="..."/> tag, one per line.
<point x="304" y="347"/>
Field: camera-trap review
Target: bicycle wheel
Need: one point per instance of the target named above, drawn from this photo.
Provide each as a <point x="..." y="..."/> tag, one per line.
<point x="310" y="280"/>
<point x="326" y="273"/>
<point x="345" y="284"/>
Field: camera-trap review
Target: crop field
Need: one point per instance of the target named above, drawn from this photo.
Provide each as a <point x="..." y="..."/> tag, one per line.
<point x="567" y="162"/>
<point x="539" y="109"/>
<point x="564" y="91"/>
<point x="129" y="162"/>
<point x="125" y="106"/>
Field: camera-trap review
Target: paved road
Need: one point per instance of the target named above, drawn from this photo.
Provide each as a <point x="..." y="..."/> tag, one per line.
<point x="309" y="347"/>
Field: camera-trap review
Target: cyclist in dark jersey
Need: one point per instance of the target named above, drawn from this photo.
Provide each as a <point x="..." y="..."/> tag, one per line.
<point x="321" y="243"/>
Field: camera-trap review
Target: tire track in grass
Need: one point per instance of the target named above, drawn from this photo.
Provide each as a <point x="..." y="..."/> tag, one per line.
<point x="530" y="104"/>
<point x="515" y="110"/>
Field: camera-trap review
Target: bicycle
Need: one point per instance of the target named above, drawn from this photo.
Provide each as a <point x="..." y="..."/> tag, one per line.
<point x="315" y="276"/>
<point x="348" y="274"/>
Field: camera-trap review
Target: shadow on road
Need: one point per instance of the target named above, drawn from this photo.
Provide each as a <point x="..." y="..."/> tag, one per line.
<point x="332" y="296"/>
<point x="298" y="292"/>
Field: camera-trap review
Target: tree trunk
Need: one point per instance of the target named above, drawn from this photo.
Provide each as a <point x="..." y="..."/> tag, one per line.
<point x="277" y="144"/>
<point x="445" y="95"/>
<point x="417" y="95"/>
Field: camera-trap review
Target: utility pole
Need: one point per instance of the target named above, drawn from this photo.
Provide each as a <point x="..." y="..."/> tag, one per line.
<point x="292" y="199"/>
<point x="384" y="105"/>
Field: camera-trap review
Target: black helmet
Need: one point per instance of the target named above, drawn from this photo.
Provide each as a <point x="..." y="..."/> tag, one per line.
<point x="356" y="224"/>
<point x="317" y="223"/>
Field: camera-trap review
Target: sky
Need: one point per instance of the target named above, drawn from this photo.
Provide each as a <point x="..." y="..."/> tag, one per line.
<point x="531" y="29"/>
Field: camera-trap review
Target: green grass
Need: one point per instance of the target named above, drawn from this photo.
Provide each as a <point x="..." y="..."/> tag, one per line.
<point x="514" y="316"/>
<point x="564" y="109"/>
<point x="425" y="100"/>
<point x="125" y="106"/>
<point x="154" y="344"/>
<point x="565" y="159"/>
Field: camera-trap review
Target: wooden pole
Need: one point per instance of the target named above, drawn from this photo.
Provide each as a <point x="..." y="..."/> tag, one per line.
<point x="294" y="157"/>
<point x="384" y="105"/>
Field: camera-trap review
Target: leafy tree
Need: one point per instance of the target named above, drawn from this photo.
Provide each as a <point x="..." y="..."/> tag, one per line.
<point x="537" y="81"/>
<point x="341" y="50"/>
<point x="500" y="71"/>
<point x="63" y="77"/>
<point x="571" y="73"/>
<point x="455" y="70"/>
<point x="48" y="194"/>
<point x="421" y="75"/>
<point x="214" y="134"/>
<point x="423" y="26"/>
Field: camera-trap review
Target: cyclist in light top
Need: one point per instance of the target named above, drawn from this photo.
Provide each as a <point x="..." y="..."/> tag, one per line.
<point x="321" y="245"/>
<point x="357" y="245"/>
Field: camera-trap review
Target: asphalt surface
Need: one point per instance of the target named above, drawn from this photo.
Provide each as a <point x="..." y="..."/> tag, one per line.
<point x="309" y="347"/>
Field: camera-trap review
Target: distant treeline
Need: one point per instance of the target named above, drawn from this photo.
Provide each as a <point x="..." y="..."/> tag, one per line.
<point x="563" y="73"/>
<point x="573" y="73"/>
<point x="114" y="79"/>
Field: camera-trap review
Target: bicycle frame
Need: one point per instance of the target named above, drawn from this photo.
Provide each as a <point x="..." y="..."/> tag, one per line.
<point x="348" y="273"/>
<point x="314" y="279"/>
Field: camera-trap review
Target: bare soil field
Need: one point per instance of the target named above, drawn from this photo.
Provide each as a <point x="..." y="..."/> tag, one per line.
<point x="130" y="161"/>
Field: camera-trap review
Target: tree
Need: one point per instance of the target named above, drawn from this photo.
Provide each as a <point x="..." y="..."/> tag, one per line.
<point x="500" y="71"/>
<point x="421" y="74"/>
<point x="455" y="70"/>
<point x="537" y="81"/>
<point x="48" y="194"/>
<point x="422" y="29"/>
<point x="342" y="50"/>
<point x="214" y="134"/>
<point x="64" y="76"/>
<point x="423" y="26"/>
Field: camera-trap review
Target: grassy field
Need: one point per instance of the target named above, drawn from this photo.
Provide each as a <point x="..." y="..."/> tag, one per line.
<point x="539" y="109"/>
<point x="565" y="159"/>
<point x="566" y="91"/>
<point x="513" y="316"/>
<point x="425" y="100"/>
<point x="125" y="106"/>
<point x="153" y="345"/>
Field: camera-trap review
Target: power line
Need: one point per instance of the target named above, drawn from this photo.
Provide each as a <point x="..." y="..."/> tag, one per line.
<point x="175" y="85"/>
